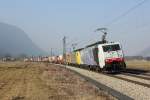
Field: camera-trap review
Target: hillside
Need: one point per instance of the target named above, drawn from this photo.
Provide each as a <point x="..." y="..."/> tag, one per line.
<point x="14" y="41"/>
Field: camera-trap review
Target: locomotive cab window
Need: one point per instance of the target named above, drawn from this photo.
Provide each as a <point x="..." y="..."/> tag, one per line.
<point x="107" y="48"/>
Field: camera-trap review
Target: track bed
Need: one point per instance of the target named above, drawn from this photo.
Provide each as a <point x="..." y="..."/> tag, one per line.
<point x="129" y="86"/>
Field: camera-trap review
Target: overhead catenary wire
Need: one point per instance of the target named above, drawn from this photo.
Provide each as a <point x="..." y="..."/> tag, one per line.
<point x="115" y="20"/>
<point x="126" y="13"/>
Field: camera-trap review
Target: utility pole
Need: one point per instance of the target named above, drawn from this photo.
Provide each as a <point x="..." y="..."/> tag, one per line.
<point x="64" y="49"/>
<point x="51" y="52"/>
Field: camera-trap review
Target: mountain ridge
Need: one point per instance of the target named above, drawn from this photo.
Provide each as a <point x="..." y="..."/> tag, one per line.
<point x="14" y="41"/>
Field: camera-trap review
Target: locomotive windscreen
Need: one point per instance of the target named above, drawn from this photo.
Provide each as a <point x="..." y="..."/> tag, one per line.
<point x="113" y="47"/>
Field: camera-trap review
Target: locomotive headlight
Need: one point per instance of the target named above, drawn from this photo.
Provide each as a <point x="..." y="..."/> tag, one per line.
<point x="108" y="60"/>
<point x="119" y="59"/>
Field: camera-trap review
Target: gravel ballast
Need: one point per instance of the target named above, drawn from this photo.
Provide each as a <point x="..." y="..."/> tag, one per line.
<point x="134" y="78"/>
<point x="132" y="90"/>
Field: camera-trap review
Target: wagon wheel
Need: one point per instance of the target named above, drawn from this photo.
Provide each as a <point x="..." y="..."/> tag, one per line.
<point x="124" y="66"/>
<point x="89" y="67"/>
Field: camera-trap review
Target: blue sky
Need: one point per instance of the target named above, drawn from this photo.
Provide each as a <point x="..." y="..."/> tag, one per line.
<point x="47" y="21"/>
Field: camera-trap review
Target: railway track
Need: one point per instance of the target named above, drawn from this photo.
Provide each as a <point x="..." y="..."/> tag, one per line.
<point x="127" y="87"/>
<point x="129" y="80"/>
<point x="128" y="72"/>
<point x="137" y="76"/>
<point x="137" y="72"/>
<point x="134" y="73"/>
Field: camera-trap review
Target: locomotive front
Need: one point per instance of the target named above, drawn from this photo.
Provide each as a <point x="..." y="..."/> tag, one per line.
<point x="111" y="57"/>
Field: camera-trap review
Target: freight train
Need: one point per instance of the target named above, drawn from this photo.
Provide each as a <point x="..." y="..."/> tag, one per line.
<point x="97" y="56"/>
<point x="100" y="56"/>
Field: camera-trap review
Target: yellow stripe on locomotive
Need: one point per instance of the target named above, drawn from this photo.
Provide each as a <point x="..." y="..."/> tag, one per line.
<point x="78" y="57"/>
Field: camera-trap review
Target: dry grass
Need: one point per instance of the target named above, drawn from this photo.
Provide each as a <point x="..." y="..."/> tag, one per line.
<point x="35" y="81"/>
<point x="138" y="64"/>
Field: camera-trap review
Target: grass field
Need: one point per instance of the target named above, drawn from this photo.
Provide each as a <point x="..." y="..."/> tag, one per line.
<point x="39" y="81"/>
<point x="138" y="64"/>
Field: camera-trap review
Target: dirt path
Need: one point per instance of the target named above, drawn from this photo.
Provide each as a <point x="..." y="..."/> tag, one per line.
<point x="35" y="81"/>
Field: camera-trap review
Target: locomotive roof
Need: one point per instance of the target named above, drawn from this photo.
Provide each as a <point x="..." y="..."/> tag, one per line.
<point x="96" y="43"/>
<point x="78" y="49"/>
<point x="99" y="42"/>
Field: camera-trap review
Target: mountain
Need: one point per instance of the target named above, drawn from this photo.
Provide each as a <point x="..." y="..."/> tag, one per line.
<point x="145" y="52"/>
<point x="14" y="41"/>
